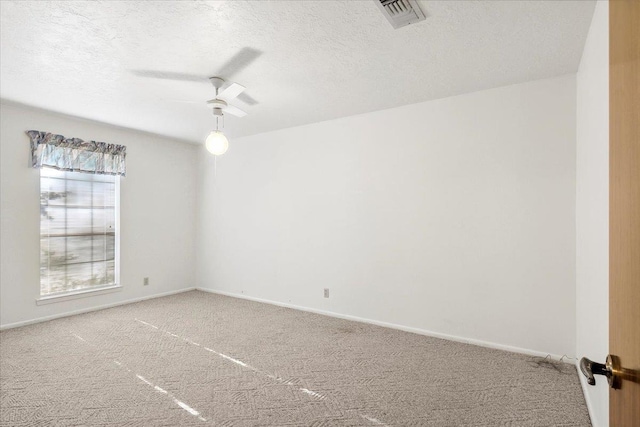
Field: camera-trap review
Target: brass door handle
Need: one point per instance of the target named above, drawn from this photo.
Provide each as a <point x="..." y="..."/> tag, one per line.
<point x="611" y="369"/>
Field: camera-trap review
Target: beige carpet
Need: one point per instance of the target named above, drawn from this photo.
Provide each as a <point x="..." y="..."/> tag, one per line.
<point x="201" y="359"/>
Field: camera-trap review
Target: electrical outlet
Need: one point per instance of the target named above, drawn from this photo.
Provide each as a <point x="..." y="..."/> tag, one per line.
<point x="326" y="292"/>
<point x="146" y="281"/>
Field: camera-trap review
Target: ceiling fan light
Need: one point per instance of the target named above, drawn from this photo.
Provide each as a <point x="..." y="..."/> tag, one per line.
<point x="216" y="143"/>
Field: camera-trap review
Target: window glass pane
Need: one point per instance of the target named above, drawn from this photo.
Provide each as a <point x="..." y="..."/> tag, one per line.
<point x="53" y="220"/>
<point x="78" y="231"/>
<point x="110" y="220"/>
<point x="53" y="252"/>
<point x="99" y="272"/>
<point x="111" y="247"/>
<point x="103" y="247"/>
<point x="53" y="192"/>
<point x="78" y="193"/>
<point x="79" y="276"/>
<point x="79" y="249"/>
<point x="111" y="271"/>
<point x="79" y="220"/>
<point x="104" y="194"/>
<point x="102" y="220"/>
<point x="54" y="281"/>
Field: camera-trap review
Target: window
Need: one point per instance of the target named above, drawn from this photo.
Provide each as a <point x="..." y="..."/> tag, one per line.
<point x="78" y="231"/>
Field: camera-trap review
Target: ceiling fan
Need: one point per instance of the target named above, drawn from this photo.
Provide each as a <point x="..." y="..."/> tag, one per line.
<point x="216" y="142"/>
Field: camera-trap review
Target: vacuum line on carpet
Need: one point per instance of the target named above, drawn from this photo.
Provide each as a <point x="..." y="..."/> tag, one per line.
<point x="257" y="371"/>
<point x="178" y="402"/>
<point x="373" y="420"/>
<point x="236" y="361"/>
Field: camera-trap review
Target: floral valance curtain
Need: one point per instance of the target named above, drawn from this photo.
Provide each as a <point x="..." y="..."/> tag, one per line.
<point x="76" y="155"/>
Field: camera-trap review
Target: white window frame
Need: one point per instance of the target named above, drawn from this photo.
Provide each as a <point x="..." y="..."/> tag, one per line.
<point x="99" y="290"/>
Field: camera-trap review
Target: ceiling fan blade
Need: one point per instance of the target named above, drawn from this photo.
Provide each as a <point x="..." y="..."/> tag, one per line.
<point x="240" y="60"/>
<point x="231" y="92"/>
<point x="234" y="111"/>
<point x="247" y="99"/>
<point x="181" y="101"/>
<point x="168" y="75"/>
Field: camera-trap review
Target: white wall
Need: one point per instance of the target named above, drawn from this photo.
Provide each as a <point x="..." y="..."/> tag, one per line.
<point x="592" y="208"/>
<point x="455" y="216"/>
<point x="157" y="217"/>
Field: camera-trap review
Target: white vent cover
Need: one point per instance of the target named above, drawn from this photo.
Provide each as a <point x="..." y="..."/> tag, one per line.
<point x="400" y="12"/>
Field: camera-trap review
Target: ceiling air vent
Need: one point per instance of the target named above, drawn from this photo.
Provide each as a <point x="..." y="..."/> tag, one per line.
<point x="400" y="12"/>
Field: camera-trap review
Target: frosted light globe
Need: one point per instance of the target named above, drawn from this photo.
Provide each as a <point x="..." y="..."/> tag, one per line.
<point x="217" y="143"/>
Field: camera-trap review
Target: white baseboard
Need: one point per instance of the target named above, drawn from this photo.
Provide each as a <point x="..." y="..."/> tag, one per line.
<point x="587" y="399"/>
<point x="86" y="310"/>
<point x="394" y="326"/>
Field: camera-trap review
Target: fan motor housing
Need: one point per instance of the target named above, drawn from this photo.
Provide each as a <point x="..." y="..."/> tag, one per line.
<point x="218" y="105"/>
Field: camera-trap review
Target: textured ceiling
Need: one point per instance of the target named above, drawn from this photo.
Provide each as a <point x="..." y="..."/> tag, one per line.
<point x="320" y="59"/>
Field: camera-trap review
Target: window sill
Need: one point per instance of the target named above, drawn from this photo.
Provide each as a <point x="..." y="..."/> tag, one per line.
<point x="78" y="294"/>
